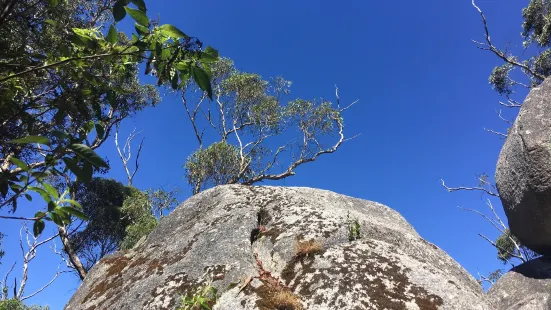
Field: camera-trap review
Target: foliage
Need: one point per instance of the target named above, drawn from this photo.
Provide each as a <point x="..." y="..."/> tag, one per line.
<point x="134" y="232"/>
<point x="136" y="205"/>
<point x="66" y="78"/>
<point x="203" y="299"/>
<point x="505" y="246"/>
<point x="14" y="304"/>
<point x="535" y="63"/>
<point x="217" y="164"/>
<point x="246" y="118"/>
<point x="354" y="232"/>
<point x="102" y="201"/>
<point x="162" y="201"/>
<point x="119" y="216"/>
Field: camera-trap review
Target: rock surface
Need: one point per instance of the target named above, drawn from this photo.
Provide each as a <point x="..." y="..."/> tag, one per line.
<point x="231" y="234"/>
<point x="523" y="173"/>
<point x="525" y="287"/>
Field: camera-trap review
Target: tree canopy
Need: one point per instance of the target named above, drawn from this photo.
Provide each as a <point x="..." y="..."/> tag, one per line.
<point x="67" y="77"/>
<point x="251" y="128"/>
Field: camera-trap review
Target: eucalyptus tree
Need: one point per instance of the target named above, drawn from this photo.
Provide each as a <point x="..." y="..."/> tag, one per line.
<point x="533" y="62"/>
<point x="67" y="77"/>
<point x="252" y="134"/>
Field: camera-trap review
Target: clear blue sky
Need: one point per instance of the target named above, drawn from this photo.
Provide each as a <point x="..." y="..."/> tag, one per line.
<point x="424" y="101"/>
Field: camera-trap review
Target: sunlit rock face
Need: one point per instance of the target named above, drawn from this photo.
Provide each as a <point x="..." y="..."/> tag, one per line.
<point x="281" y="248"/>
<point x="523" y="173"/>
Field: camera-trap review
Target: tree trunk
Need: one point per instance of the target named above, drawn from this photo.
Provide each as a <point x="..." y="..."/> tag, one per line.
<point x="73" y="257"/>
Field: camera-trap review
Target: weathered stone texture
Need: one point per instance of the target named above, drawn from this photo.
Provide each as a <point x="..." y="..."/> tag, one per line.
<point x="230" y="233"/>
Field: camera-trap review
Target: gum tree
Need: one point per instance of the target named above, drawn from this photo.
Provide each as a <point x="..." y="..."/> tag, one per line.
<point x="252" y="134"/>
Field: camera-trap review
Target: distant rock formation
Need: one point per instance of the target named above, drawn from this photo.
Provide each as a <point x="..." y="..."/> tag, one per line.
<point x="281" y="248"/>
<point x="523" y="174"/>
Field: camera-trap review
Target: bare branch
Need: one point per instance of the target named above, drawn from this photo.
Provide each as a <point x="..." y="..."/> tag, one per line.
<point x="503" y="118"/>
<point x="490" y="47"/>
<point x="192" y="115"/>
<point x="485" y="217"/>
<point x="502" y="135"/>
<point x="44" y="286"/>
<point x="454" y="189"/>
<point x="28" y="255"/>
<point x="125" y="153"/>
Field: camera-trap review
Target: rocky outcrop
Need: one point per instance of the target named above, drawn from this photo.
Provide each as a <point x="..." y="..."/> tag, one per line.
<point x="525" y="287"/>
<point x="523" y="174"/>
<point x="270" y="247"/>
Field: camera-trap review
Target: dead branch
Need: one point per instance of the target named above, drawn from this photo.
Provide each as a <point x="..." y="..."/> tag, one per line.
<point x="125" y="153"/>
<point x="28" y="255"/>
<point x="478" y="188"/>
<point x="502" y="135"/>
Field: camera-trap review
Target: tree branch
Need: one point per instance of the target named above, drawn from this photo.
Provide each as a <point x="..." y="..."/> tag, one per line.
<point x="490" y="47"/>
<point x="454" y="189"/>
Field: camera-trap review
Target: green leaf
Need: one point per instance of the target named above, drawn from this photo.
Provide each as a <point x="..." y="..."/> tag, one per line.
<point x="32" y="139"/>
<point x="41" y="192"/>
<point x="202" y="79"/>
<point x="184" y="77"/>
<point x="19" y="163"/>
<point x="51" y="190"/>
<point x="38" y="227"/>
<point x="141" y="30"/>
<point x="29" y="197"/>
<point x="100" y="130"/>
<point x="74" y="168"/>
<point x="53" y="3"/>
<point x="112" y="35"/>
<point x="212" y="52"/>
<point x="174" y="81"/>
<point x="182" y="65"/>
<point x="51" y="22"/>
<point x="57" y="219"/>
<point x="73" y="202"/>
<point x="88" y="154"/>
<point x="75" y="212"/>
<point x="171" y="31"/>
<point x="51" y="206"/>
<point x="118" y="10"/>
<point x="140" y="4"/>
<point x="138" y="16"/>
<point x="88" y="170"/>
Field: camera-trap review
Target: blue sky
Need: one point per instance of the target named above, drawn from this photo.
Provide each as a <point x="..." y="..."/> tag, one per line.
<point x="424" y="101"/>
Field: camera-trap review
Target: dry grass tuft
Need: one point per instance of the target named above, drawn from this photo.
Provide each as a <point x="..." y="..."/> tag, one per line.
<point x="307" y="248"/>
<point x="286" y="300"/>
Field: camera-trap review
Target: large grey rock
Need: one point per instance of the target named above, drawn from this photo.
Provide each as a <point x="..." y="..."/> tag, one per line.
<point x="525" y="287"/>
<point x="523" y="174"/>
<point x="213" y="235"/>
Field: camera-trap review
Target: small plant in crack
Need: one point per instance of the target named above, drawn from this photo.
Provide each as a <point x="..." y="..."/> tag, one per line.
<point x="308" y="248"/>
<point x="262" y="218"/>
<point x="353" y="228"/>
<point x="203" y="299"/>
